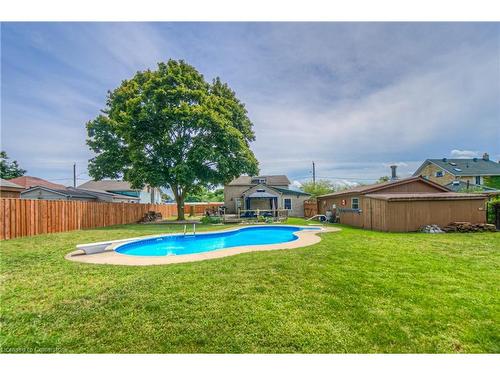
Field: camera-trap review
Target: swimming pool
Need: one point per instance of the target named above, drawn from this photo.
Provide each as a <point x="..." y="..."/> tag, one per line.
<point x="206" y="242"/>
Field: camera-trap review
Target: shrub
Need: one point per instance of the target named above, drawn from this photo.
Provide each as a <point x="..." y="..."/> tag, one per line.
<point x="211" y="220"/>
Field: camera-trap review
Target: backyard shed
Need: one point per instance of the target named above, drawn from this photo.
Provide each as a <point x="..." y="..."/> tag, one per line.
<point x="403" y="205"/>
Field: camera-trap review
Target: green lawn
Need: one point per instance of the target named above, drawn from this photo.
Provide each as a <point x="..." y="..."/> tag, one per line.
<point x="356" y="291"/>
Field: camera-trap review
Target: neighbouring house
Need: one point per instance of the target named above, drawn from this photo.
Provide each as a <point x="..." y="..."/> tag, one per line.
<point x="29" y="181"/>
<point x="9" y="189"/>
<point x="75" y="194"/>
<point x="403" y="205"/>
<point x="145" y="195"/>
<point x="474" y="171"/>
<point x="263" y="193"/>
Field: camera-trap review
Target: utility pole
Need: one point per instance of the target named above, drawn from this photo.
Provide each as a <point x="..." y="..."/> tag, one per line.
<point x="74" y="175"/>
<point x="314" y="175"/>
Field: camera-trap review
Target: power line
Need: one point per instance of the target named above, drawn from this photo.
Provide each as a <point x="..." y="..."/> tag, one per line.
<point x="339" y="178"/>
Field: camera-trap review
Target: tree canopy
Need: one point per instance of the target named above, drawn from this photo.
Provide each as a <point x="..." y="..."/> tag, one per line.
<point x="319" y="188"/>
<point x="9" y="169"/>
<point x="170" y="128"/>
<point x="207" y="195"/>
<point x="383" y="179"/>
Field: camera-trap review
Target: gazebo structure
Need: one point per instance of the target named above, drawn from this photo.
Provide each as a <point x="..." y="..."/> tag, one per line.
<point x="261" y="199"/>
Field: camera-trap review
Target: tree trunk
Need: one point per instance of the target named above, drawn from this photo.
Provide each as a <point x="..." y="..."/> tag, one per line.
<point x="180" y="207"/>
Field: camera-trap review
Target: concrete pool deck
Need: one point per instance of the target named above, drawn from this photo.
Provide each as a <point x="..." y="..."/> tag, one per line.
<point x="110" y="256"/>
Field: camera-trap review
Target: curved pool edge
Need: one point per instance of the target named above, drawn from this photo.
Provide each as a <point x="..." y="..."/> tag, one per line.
<point x="110" y="256"/>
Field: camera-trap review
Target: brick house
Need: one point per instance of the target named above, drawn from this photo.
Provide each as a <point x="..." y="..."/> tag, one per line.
<point x="473" y="171"/>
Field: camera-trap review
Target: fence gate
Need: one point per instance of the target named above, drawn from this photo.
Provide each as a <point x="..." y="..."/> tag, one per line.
<point x="310" y="208"/>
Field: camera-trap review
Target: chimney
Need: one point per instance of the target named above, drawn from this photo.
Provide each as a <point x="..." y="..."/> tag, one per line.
<point x="486" y="156"/>
<point x="393" y="172"/>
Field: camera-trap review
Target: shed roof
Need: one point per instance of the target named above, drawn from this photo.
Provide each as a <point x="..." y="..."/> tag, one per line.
<point x="425" y="196"/>
<point x="364" y="189"/>
<point x="273" y="180"/>
<point x="464" y="167"/>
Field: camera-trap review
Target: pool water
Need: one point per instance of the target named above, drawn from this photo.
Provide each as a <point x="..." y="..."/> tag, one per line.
<point x="200" y="243"/>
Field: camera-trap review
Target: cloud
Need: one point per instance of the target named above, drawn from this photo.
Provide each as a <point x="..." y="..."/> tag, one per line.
<point x="397" y="164"/>
<point x="463" y="154"/>
<point x="351" y="96"/>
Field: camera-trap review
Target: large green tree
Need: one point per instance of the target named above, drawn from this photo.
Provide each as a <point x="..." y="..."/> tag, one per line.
<point x="9" y="169"/>
<point x="320" y="187"/>
<point x="206" y="195"/>
<point x="170" y="128"/>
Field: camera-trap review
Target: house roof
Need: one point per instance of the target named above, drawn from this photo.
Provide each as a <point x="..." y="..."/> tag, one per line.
<point x="364" y="189"/>
<point x="114" y="195"/>
<point x="261" y="194"/>
<point x="80" y="193"/>
<point x="464" y="167"/>
<point x="10" y="185"/>
<point x="273" y="180"/>
<point x="30" y="181"/>
<point x="68" y="192"/>
<point x="425" y="196"/>
<point x="107" y="185"/>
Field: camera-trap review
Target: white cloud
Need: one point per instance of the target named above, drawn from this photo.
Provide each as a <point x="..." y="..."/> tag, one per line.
<point x="397" y="164"/>
<point x="413" y="116"/>
<point x="351" y="97"/>
<point x="463" y="154"/>
<point x="345" y="183"/>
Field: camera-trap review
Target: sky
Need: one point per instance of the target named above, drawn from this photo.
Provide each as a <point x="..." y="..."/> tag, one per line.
<point x="352" y="97"/>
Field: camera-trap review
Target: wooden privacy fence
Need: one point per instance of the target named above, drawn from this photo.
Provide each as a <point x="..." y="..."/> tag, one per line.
<point x="27" y="217"/>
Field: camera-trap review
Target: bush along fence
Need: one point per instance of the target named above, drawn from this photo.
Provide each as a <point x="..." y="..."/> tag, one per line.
<point x="27" y="217"/>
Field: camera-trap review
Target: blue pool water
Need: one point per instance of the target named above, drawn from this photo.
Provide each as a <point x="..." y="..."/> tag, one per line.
<point x="189" y="244"/>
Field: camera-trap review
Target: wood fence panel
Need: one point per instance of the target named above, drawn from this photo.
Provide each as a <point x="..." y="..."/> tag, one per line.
<point x="310" y="208"/>
<point x="27" y="217"/>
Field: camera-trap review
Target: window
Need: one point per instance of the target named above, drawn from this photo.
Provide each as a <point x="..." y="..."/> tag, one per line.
<point x="478" y="180"/>
<point x="259" y="181"/>
<point x="355" y="203"/>
<point x="287" y="203"/>
<point x="261" y="190"/>
<point x="439" y="174"/>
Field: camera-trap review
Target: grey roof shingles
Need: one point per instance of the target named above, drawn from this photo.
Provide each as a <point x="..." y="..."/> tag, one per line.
<point x="68" y="192"/>
<point x="274" y="180"/>
<point x="107" y="185"/>
<point x="465" y="167"/>
<point x="8" y="184"/>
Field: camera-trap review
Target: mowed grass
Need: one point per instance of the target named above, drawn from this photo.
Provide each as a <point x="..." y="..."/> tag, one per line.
<point x="355" y="292"/>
